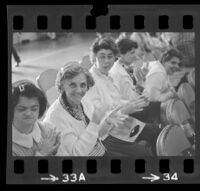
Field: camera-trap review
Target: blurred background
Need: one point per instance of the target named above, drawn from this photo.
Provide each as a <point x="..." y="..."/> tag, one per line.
<point x="33" y="53"/>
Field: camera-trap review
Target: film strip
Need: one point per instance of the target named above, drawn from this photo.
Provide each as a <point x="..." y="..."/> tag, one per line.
<point x="53" y="21"/>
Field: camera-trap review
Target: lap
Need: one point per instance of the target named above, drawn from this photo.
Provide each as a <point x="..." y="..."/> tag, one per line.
<point x="123" y="148"/>
<point x="149" y="114"/>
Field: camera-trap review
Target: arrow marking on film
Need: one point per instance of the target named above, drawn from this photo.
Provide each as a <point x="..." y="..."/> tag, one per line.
<point x="152" y="178"/>
<point x="52" y="178"/>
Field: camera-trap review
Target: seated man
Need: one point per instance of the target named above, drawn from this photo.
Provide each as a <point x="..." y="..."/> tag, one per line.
<point x="156" y="76"/>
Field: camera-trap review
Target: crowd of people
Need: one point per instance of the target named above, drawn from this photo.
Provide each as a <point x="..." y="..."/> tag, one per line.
<point x="109" y="104"/>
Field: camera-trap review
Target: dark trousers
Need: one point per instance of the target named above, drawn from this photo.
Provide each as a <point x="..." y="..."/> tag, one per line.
<point x="150" y="134"/>
<point x="150" y="114"/>
<point x="117" y="147"/>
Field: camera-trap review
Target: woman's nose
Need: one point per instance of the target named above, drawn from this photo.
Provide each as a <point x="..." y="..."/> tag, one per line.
<point x="79" y="89"/>
<point x="109" y="59"/>
<point x="106" y="59"/>
<point x="178" y="69"/>
<point x="28" y="112"/>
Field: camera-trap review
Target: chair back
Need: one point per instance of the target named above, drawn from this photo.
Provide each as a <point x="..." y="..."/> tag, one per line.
<point x="46" y="81"/>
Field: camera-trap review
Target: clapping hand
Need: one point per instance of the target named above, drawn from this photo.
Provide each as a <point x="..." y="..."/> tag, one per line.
<point x="98" y="114"/>
<point x="113" y="119"/>
<point x="116" y="118"/>
<point x="141" y="73"/>
<point x="49" y="143"/>
<point x="135" y="105"/>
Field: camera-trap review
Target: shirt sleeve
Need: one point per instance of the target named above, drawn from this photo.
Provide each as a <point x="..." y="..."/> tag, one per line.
<point x="154" y="86"/>
<point x="92" y="99"/>
<point x="73" y="144"/>
<point x="127" y="89"/>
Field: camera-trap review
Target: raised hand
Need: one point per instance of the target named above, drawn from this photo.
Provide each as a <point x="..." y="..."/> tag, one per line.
<point x="139" y="74"/>
<point x="113" y="119"/>
<point x="98" y="114"/>
<point x="135" y="105"/>
<point x="145" y="69"/>
<point x="116" y="118"/>
<point x="49" y="143"/>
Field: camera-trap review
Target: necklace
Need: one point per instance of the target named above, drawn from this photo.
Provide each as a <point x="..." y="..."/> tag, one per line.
<point x="76" y="112"/>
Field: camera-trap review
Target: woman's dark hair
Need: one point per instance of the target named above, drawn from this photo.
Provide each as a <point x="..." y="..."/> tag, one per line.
<point x="69" y="71"/>
<point x="27" y="89"/>
<point x="104" y="42"/>
<point x="125" y="45"/>
<point x="169" y="54"/>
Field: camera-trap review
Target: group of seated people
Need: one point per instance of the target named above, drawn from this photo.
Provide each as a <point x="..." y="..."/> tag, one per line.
<point x="99" y="112"/>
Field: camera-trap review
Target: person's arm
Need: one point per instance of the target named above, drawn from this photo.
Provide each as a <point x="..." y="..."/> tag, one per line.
<point x="154" y="87"/>
<point x="127" y="89"/>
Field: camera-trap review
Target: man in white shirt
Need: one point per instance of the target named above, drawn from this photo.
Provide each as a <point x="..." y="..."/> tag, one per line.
<point x="156" y="78"/>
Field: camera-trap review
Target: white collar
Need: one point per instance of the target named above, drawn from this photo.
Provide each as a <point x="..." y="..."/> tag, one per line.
<point x="97" y="74"/>
<point x="26" y="140"/>
<point x="120" y="68"/>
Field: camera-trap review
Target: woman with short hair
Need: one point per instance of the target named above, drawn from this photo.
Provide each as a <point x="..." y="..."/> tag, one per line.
<point x="79" y="134"/>
<point x="81" y="125"/>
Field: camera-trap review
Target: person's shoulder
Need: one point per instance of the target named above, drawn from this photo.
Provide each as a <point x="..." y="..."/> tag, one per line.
<point x="92" y="92"/>
<point x="55" y="111"/>
<point x="45" y="125"/>
<point x="54" y="106"/>
<point x="157" y="77"/>
<point x="155" y="62"/>
<point x="117" y="70"/>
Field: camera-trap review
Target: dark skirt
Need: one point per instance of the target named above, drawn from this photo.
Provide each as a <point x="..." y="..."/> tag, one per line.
<point x="117" y="147"/>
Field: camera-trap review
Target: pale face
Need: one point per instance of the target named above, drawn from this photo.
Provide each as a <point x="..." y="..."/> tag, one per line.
<point x="26" y="112"/>
<point x="75" y="88"/>
<point x="172" y="65"/>
<point x="131" y="56"/>
<point x="105" y="60"/>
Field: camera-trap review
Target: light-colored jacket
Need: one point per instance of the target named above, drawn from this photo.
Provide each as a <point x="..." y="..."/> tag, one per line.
<point x="77" y="139"/>
<point x="123" y="82"/>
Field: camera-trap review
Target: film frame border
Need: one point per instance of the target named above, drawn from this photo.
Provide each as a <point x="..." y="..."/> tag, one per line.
<point x="125" y="22"/>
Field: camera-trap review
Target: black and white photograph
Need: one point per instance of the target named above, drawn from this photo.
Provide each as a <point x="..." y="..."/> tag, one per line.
<point x="103" y="94"/>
